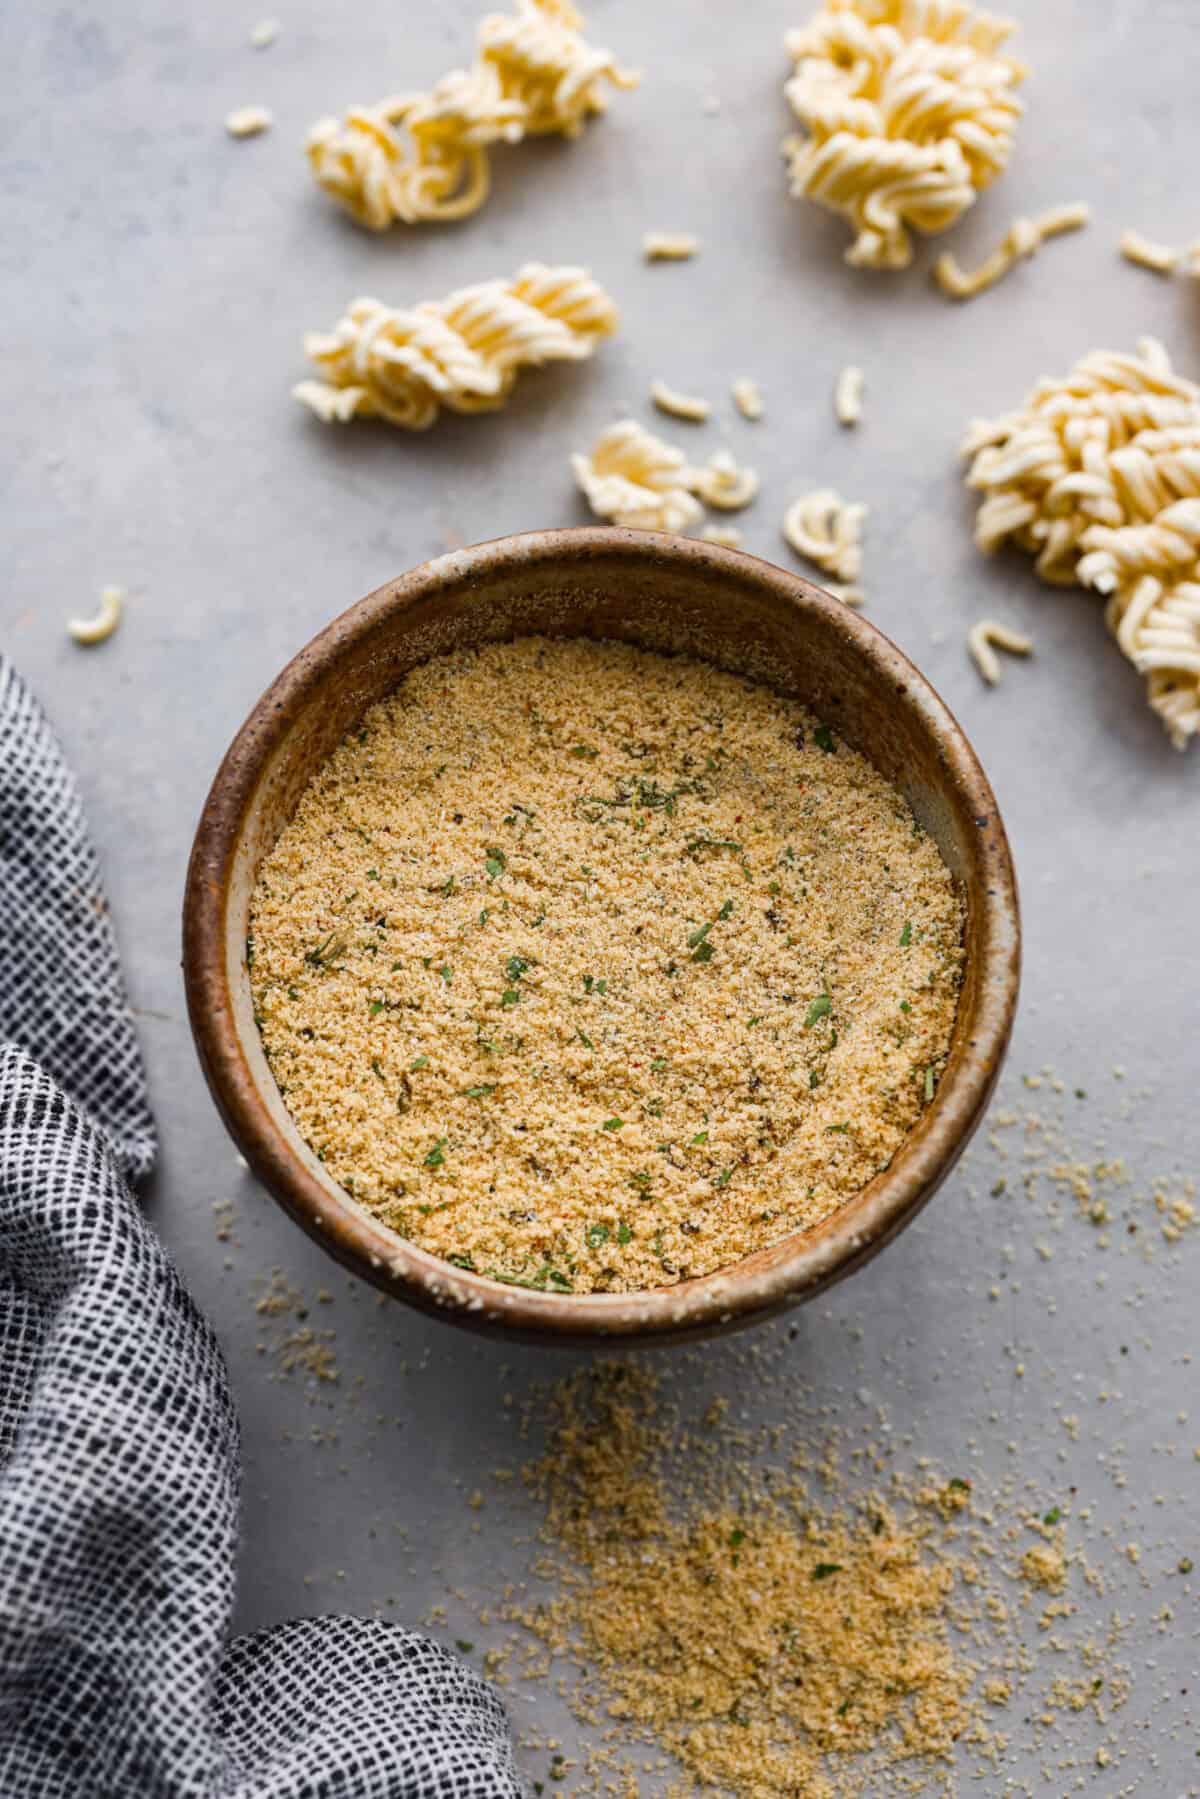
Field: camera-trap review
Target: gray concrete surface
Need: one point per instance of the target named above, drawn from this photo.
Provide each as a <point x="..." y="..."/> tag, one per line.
<point x="157" y="279"/>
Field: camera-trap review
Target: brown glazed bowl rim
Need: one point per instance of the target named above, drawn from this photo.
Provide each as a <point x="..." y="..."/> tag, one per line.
<point x="699" y="1306"/>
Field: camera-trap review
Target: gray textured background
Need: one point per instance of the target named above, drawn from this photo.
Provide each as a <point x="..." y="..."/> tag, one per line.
<point x="157" y="279"/>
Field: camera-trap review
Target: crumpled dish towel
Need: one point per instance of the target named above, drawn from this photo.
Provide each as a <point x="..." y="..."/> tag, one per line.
<point x="118" y="1436"/>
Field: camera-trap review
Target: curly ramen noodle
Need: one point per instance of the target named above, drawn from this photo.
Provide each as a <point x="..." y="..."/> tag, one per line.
<point x="418" y="156"/>
<point x="908" y="109"/>
<point x="463" y="352"/>
<point x="1097" y="474"/>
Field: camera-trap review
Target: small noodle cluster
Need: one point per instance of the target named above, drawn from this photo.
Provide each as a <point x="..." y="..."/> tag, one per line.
<point x="908" y="109"/>
<point x="425" y="156"/>
<point x="633" y="478"/>
<point x="827" y="531"/>
<point x="463" y="352"/>
<point x="1098" y="476"/>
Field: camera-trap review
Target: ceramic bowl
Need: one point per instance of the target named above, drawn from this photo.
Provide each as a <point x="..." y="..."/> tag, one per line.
<point x="668" y="594"/>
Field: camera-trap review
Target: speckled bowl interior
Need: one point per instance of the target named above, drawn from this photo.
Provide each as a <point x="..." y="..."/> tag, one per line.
<point x="672" y="595"/>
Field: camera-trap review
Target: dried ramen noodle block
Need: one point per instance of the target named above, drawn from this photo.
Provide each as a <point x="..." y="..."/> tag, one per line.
<point x="907" y="109"/>
<point x="464" y="352"/>
<point x="1097" y="475"/>
<point x="421" y="156"/>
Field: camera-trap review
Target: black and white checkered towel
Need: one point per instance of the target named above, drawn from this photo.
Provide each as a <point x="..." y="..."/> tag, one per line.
<point x="118" y="1438"/>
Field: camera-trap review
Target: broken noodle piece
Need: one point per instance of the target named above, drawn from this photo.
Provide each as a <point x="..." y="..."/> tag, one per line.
<point x="669" y="246"/>
<point x="847" y="396"/>
<point x="1147" y="254"/>
<point x="1023" y="239"/>
<point x="747" y="397"/>
<point x="680" y="406"/>
<point x="985" y="638"/>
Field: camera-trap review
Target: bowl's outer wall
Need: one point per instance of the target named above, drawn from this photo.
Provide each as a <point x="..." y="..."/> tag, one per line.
<point x="666" y="594"/>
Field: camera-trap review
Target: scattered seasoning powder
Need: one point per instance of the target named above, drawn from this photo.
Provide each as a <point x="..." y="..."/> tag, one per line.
<point x="776" y="1629"/>
<point x="570" y="873"/>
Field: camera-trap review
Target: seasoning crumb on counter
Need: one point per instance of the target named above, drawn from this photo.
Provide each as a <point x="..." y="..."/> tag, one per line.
<point x="589" y="970"/>
<point x="794" y="1609"/>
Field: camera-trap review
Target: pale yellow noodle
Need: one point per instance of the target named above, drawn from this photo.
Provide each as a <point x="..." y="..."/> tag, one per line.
<point x="418" y="156"/>
<point x="907" y="109"/>
<point x="1023" y="239"/>
<point x="1097" y="474"/>
<point x="463" y="352"/>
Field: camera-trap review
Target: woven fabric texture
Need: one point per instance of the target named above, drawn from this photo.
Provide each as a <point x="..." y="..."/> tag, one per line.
<point x="118" y="1437"/>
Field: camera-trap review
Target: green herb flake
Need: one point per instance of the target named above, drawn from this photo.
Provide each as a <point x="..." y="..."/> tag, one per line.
<point x="821" y="1007"/>
<point x="463" y="1646"/>
<point x="700" y="1137"/>
<point x="419" y="1062"/>
<point x="823" y="1570"/>
<point x="737" y="1538"/>
<point x="612" y="1124"/>
<point x="722" y="1179"/>
<point x="437" y="1154"/>
<point x="494" y="862"/>
<point x="842" y="1129"/>
<point x="584" y="751"/>
<point x="929" y="1084"/>
<point x="1053" y="1515"/>
<point x="584" y="1038"/>
<point x="624" y="1234"/>
<point x="515" y="967"/>
<point x="327" y="953"/>
<point x="509" y="997"/>
<point x="446" y="972"/>
<point x="904" y="1006"/>
<point x="376" y="1007"/>
<point x="823" y="738"/>
<point x="597" y="1234"/>
<point x="377" y="1067"/>
<point x="814" y="1080"/>
<point x="906" y="936"/>
<point x="480" y="1092"/>
<point x="958" y="1485"/>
